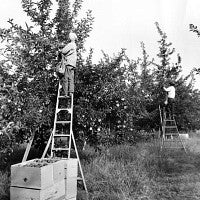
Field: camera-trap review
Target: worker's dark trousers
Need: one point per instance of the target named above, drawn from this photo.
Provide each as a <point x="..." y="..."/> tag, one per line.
<point x="170" y="106"/>
<point x="67" y="80"/>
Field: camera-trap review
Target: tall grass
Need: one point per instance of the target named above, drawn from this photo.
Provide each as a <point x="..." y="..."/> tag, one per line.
<point x="119" y="173"/>
<point x="140" y="172"/>
<point x="143" y="172"/>
<point x="4" y="185"/>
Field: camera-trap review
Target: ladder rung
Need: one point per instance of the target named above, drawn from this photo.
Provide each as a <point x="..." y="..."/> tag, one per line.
<point x="68" y="109"/>
<point x="174" y="147"/>
<point x="171" y="140"/>
<point x="171" y="143"/>
<point x="63" y="122"/>
<point x="169" y="120"/>
<point x="61" y="96"/>
<point x="171" y="134"/>
<point x="170" y="126"/>
<point x="79" y="179"/>
<point x="60" y="149"/>
<point x="61" y="135"/>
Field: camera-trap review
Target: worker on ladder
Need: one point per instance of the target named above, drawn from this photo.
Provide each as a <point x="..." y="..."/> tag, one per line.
<point x="170" y="99"/>
<point x="69" y="53"/>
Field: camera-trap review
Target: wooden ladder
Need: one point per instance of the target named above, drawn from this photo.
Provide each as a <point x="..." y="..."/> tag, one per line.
<point x="170" y="138"/>
<point x="62" y="137"/>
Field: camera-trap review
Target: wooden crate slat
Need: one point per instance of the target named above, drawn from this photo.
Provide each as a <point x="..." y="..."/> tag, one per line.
<point x="56" y="192"/>
<point x="71" y="187"/>
<point x="59" y="171"/>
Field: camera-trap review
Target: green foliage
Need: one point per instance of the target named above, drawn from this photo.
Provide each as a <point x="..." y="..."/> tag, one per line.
<point x="166" y="70"/>
<point x="31" y="53"/>
<point x="116" y="100"/>
<point x="187" y="106"/>
<point x="187" y="99"/>
<point x="101" y="95"/>
<point x="195" y="30"/>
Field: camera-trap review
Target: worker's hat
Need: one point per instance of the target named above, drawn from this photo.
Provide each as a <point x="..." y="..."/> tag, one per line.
<point x="171" y="82"/>
<point x="72" y="36"/>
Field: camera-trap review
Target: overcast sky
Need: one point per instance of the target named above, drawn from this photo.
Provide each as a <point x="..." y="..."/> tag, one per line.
<point x="125" y="23"/>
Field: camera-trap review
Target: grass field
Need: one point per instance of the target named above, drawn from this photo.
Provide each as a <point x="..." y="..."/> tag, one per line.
<point x="138" y="172"/>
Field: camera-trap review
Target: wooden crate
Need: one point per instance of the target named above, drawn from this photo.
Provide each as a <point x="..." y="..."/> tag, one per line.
<point x="23" y="175"/>
<point x="51" y="181"/>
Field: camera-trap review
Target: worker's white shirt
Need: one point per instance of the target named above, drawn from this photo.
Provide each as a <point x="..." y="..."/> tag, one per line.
<point x="171" y="91"/>
<point x="71" y="55"/>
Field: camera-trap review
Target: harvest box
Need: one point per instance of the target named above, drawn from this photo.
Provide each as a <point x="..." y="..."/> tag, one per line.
<point x="42" y="179"/>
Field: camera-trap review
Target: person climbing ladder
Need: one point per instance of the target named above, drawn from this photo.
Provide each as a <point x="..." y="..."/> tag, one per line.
<point x="70" y="56"/>
<point x="170" y="101"/>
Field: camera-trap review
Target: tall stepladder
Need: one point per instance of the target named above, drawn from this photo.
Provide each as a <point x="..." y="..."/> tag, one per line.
<point x="62" y="139"/>
<point x="170" y="138"/>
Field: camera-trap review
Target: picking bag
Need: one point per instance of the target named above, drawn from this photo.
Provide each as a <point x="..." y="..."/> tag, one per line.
<point x="60" y="67"/>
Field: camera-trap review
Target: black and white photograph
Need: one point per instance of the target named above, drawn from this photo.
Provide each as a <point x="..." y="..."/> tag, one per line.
<point x="100" y="100"/>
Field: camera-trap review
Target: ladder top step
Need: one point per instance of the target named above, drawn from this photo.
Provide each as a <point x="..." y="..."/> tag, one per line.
<point x="63" y="122"/>
<point x="61" y="135"/>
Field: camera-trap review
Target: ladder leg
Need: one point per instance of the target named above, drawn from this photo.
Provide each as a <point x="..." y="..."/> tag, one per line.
<point x="28" y="147"/>
<point x="47" y="146"/>
<point x="179" y="136"/>
<point x="55" y="118"/>
<point x="71" y="131"/>
<point x="70" y="146"/>
<point x="73" y="139"/>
